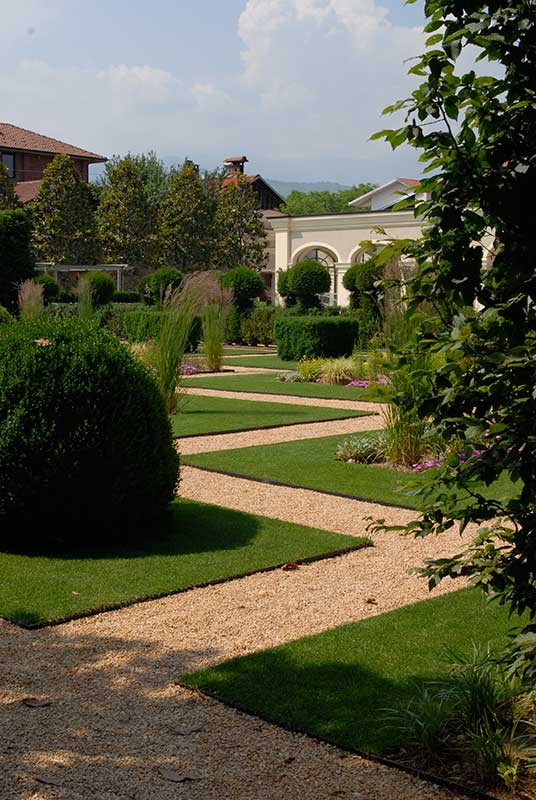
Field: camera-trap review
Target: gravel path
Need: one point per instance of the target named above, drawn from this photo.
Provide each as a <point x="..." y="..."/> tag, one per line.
<point x="288" y="433"/>
<point x="118" y="728"/>
<point x="354" y="405"/>
<point x="117" y="719"/>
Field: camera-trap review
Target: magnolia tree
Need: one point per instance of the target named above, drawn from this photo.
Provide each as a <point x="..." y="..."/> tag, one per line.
<point x="475" y="266"/>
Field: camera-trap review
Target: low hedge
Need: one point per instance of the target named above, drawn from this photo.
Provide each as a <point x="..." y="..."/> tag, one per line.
<point x="315" y="336"/>
<point x="140" y="326"/>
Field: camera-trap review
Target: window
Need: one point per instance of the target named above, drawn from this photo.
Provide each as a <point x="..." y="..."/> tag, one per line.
<point x="9" y="160"/>
<point x="327" y="260"/>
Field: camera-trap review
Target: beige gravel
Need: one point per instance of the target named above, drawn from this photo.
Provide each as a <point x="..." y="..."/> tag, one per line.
<point x="354" y="405"/>
<point x="288" y="433"/>
<point x="117" y="720"/>
<point x="115" y="713"/>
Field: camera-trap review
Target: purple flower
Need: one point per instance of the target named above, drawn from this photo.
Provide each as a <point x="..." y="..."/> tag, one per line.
<point x="188" y="369"/>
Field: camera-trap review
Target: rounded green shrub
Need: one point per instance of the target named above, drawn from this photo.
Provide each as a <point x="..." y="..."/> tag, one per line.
<point x="5" y="317"/>
<point x="51" y="289"/>
<point x="86" y="451"/>
<point x="153" y="287"/>
<point x="284" y="291"/>
<point x="246" y="284"/>
<point x="307" y="280"/>
<point x="102" y="287"/>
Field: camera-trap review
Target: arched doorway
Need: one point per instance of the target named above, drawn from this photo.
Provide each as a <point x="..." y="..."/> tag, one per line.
<point x="328" y="259"/>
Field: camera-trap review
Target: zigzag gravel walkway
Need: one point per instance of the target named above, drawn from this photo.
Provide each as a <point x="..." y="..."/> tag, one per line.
<point x="119" y="728"/>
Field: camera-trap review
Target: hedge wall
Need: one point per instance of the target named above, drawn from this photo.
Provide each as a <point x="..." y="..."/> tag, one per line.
<point x="313" y="336"/>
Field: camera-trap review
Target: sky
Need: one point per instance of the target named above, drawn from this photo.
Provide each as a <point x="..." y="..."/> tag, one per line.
<point x="296" y="85"/>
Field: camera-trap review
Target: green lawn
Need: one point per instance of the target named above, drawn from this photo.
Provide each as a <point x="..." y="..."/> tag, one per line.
<point x="245" y="351"/>
<point x="268" y="362"/>
<point x="269" y="384"/>
<point x="194" y="544"/>
<point x="311" y="463"/>
<point x="337" y="683"/>
<point x="203" y="415"/>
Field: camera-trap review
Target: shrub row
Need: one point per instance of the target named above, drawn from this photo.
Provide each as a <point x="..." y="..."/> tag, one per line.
<point x="313" y="336"/>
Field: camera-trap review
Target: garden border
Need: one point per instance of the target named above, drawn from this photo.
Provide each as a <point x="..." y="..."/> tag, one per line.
<point x="35" y="626"/>
<point x="475" y="794"/>
<point x="270" y="482"/>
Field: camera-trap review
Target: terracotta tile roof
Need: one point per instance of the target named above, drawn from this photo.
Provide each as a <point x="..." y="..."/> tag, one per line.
<point x="409" y="181"/>
<point x="233" y="179"/>
<point x="14" y="138"/>
<point x="27" y="190"/>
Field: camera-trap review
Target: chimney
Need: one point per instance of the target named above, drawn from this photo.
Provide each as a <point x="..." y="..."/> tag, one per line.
<point x="235" y="166"/>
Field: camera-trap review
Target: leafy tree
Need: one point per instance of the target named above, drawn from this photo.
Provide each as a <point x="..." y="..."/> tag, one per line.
<point x="246" y="285"/>
<point x="51" y="289"/>
<point x="8" y="198"/>
<point x="185" y="220"/>
<point x="284" y="291"/>
<point x="125" y="221"/>
<point x="477" y="135"/>
<point x="240" y="237"/>
<point x="151" y="171"/>
<point x="361" y="281"/>
<point x="324" y="202"/>
<point x="306" y="281"/>
<point x="153" y="287"/>
<point x="64" y="221"/>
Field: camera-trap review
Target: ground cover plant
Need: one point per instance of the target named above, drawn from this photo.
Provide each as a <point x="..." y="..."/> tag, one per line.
<point x="201" y="415"/>
<point x="270" y="384"/>
<point x="311" y="463"/>
<point x="194" y="543"/>
<point x="339" y="683"/>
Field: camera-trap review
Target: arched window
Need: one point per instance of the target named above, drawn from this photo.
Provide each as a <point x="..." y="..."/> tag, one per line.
<point x="326" y="258"/>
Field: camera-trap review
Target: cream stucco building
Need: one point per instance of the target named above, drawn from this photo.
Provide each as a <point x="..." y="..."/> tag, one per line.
<point x="335" y="240"/>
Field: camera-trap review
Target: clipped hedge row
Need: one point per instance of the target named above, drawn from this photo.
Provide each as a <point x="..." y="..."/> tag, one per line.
<point x="314" y="336"/>
<point x="134" y="322"/>
<point x="139" y="326"/>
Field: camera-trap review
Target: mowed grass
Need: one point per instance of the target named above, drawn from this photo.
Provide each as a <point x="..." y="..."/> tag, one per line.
<point x="202" y="415"/>
<point x="337" y="684"/>
<point x="194" y="544"/>
<point x="269" y="384"/>
<point x="311" y="463"/>
<point x="268" y="362"/>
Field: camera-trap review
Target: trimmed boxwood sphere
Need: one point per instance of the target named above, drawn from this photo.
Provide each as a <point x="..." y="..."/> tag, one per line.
<point x="102" y="287"/>
<point x="85" y="442"/>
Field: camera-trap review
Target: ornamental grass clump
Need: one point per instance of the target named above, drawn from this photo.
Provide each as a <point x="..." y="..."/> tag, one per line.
<point x="86" y="451"/>
<point x="337" y="371"/>
<point x="84" y="291"/>
<point x="217" y="302"/>
<point x="179" y="308"/>
<point x="478" y="717"/>
<point x="31" y="300"/>
<point x="366" y="448"/>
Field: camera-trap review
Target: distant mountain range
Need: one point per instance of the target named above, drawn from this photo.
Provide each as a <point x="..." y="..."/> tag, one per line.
<point x="284" y="188"/>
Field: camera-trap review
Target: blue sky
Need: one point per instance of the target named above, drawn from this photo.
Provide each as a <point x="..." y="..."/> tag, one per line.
<point x="297" y="85"/>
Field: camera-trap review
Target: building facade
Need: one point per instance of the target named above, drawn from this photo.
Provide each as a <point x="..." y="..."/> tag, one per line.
<point x="336" y="241"/>
<point x="26" y="155"/>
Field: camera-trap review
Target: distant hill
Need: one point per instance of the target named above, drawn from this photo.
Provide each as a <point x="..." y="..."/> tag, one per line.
<point x="284" y="188"/>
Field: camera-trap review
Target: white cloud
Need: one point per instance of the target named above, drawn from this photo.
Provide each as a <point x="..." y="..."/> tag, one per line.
<point x="314" y="77"/>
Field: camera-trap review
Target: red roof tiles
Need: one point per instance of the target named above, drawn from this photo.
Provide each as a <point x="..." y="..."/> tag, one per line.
<point x="15" y="138"/>
<point x="27" y="190"/>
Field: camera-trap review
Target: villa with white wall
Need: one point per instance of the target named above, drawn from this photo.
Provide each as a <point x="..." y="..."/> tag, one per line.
<point x="335" y="239"/>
